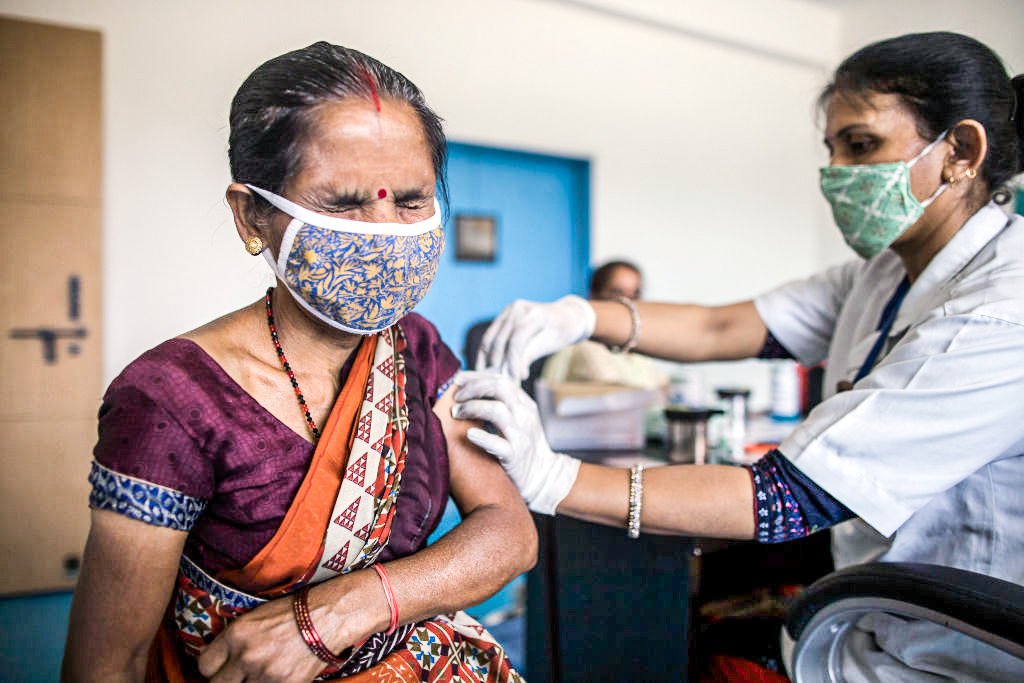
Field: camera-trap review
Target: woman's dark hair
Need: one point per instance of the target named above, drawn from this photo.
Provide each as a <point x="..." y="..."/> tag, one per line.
<point x="603" y="275"/>
<point x="944" y="78"/>
<point x="273" y="109"/>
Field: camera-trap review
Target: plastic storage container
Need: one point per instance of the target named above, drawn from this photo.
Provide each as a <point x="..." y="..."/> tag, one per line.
<point x="593" y="416"/>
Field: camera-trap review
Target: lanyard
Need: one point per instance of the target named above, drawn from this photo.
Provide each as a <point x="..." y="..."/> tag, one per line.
<point x="884" y="327"/>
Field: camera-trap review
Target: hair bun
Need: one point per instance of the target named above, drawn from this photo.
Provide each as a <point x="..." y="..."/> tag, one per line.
<point x="1016" y="115"/>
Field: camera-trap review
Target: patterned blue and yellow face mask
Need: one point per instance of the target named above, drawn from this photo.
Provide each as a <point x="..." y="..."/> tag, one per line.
<point x="354" y="276"/>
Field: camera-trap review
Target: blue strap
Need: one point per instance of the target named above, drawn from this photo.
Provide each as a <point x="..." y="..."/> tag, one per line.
<point x="884" y="327"/>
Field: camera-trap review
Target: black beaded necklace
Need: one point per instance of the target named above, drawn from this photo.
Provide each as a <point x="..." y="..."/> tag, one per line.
<point x="288" y="368"/>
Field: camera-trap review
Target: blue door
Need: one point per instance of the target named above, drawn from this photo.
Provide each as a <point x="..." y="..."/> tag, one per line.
<point x="541" y="208"/>
<point x="540" y="205"/>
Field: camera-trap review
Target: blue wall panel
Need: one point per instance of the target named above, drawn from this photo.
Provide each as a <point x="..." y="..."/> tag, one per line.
<point x="541" y="204"/>
<point x="32" y="634"/>
<point x="542" y="207"/>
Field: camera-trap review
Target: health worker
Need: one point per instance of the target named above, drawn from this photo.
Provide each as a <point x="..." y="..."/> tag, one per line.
<point x="916" y="453"/>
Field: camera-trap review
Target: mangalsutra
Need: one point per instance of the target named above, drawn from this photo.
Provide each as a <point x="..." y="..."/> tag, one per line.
<point x="288" y="368"/>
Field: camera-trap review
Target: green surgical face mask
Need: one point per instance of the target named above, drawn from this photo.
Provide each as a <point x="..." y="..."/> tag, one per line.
<point x="872" y="203"/>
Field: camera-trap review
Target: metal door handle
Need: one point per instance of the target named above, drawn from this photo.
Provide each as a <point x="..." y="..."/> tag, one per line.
<point x="49" y="338"/>
<point x="49" y="335"/>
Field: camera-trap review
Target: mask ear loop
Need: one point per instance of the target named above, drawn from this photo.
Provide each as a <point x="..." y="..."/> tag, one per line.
<point x="930" y="147"/>
<point x="945" y="183"/>
<point x="280" y="263"/>
<point x="344" y="225"/>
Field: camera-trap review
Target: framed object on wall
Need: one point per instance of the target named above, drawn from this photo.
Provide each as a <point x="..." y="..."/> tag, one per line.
<point x="476" y="238"/>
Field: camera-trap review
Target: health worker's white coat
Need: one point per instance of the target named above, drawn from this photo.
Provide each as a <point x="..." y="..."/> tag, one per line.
<point x="928" y="448"/>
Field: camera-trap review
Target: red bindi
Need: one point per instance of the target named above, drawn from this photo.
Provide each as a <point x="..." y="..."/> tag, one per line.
<point x="382" y="193"/>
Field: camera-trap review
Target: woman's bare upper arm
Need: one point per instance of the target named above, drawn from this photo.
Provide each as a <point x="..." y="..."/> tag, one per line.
<point x="128" y="573"/>
<point x="476" y="478"/>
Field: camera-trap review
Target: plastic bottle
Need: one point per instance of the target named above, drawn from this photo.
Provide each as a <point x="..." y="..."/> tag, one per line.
<point x="686" y="388"/>
<point x="734" y="403"/>
<point x="785" y="392"/>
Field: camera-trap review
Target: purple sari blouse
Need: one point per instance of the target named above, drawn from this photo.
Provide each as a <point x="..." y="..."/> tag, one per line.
<point x="182" y="445"/>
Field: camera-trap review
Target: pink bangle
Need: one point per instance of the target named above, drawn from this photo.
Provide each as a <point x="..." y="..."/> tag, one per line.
<point x="309" y="632"/>
<point x="392" y="603"/>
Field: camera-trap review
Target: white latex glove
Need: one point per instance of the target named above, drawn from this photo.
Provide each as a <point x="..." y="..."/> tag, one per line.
<point x="542" y="476"/>
<point x="528" y="330"/>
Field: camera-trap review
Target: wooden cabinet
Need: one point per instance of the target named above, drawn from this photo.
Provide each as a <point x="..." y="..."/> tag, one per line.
<point x="50" y="242"/>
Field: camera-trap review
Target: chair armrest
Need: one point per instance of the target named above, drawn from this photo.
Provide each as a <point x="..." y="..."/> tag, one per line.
<point x="988" y="609"/>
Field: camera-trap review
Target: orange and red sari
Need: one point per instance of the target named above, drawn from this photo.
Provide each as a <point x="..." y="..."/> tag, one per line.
<point x="339" y="521"/>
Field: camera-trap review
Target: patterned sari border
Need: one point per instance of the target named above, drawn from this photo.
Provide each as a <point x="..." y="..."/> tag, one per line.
<point x="231" y="597"/>
<point x="143" y="500"/>
<point x="445" y="387"/>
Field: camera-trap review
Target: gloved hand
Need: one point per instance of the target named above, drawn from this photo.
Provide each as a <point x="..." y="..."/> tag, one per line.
<point x="543" y="477"/>
<point x="527" y="330"/>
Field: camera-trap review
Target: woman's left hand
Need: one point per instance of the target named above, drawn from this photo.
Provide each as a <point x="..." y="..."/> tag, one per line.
<point x="261" y="645"/>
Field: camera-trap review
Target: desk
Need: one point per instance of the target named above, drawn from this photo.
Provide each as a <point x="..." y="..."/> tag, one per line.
<point x="603" y="607"/>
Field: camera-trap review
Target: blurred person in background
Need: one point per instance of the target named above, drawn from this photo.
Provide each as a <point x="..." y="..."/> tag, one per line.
<point x="591" y="361"/>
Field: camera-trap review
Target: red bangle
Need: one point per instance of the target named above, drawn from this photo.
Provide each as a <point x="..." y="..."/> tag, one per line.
<point x="392" y="603"/>
<point x="309" y="632"/>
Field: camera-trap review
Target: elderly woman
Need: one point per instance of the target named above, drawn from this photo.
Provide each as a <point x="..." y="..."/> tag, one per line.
<point x="917" y="451"/>
<point x="264" y="485"/>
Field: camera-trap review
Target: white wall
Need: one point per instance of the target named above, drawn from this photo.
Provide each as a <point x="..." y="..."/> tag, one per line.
<point x="997" y="23"/>
<point x="697" y="117"/>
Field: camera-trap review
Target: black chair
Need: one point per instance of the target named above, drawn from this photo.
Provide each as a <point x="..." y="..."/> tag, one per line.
<point x="475" y="335"/>
<point x="987" y="609"/>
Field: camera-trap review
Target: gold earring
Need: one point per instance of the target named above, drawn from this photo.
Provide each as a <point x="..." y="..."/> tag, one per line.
<point x="970" y="173"/>
<point x="254" y="245"/>
<point x="952" y="179"/>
